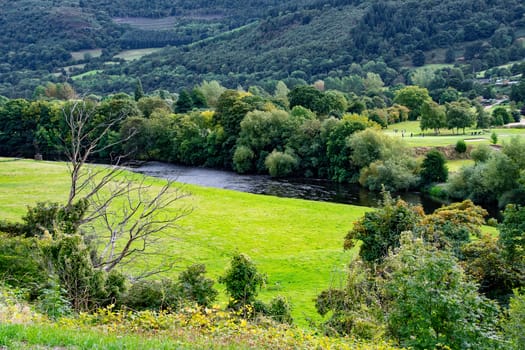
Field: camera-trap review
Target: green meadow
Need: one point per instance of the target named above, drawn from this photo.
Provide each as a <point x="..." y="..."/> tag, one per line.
<point x="296" y="243"/>
<point x="448" y="137"/>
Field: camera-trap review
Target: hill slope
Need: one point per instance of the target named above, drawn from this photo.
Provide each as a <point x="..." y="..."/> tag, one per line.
<point x="251" y="41"/>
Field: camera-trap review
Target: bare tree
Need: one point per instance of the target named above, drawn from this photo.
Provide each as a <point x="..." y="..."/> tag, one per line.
<point x="126" y="216"/>
<point x="133" y="216"/>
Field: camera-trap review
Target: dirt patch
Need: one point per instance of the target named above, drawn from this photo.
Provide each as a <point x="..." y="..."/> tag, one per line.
<point x="449" y="151"/>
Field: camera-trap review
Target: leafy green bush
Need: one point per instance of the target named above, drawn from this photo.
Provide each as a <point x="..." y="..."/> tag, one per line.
<point x="243" y="159"/>
<point x="514" y="325"/>
<point x="242" y="281"/>
<point x="152" y="295"/>
<point x="193" y="286"/>
<point x="481" y="153"/>
<point x="280" y="309"/>
<point x="461" y="146"/>
<point x="21" y="264"/>
<point x="280" y="164"/>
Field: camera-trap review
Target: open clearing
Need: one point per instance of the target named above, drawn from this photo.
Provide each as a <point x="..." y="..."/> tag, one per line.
<point x="130" y="55"/>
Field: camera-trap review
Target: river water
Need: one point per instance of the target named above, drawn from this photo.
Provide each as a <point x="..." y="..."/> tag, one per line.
<point x="312" y="189"/>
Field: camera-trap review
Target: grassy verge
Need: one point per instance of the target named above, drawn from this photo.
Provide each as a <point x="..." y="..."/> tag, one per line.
<point x="297" y="243"/>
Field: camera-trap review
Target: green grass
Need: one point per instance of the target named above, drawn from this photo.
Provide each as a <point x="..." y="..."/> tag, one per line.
<point x="456" y="164"/>
<point x="86" y="74"/>
<point x="297" y="243"/>
<point x="79" y="55"/>
<point x="447" y="137"/>
<point x="130" y="55"/>
<point x="43" y="336"/>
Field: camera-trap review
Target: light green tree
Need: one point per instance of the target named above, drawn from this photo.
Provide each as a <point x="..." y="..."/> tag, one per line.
<point x="433" y="116"/>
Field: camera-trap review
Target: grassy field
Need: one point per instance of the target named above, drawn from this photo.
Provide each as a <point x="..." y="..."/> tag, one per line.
<point x="79" y="55"/>
<point x="297" y="243"/>
<point x="447" y="137"/>
<point x="456" y="164"/>
<point x="130" y="55"/>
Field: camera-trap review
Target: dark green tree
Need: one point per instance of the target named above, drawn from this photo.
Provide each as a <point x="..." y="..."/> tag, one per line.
<point x="184" y="102"/>
<point x="434" y="168"/>
<point x="139" y="91"/>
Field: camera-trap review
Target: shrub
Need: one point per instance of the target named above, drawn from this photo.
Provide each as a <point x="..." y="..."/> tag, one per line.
<point x="242" y="281"/>
<point x="20" y="264"/>
<point x="438" y="192"/>
<point x="152" y="295"/>
<point x="280" y="309"/>
<point x="494" y="138"/>
<point x="481" y="153"/>
<point x="280" y="164"/>
<point x="243" y="159"/>
<point x="461" y="146"/>
<point x="514" y="326"/>
<point x="193" y="286"/>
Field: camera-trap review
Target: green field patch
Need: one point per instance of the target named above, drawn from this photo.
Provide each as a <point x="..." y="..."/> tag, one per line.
<point x="131" y="55"/>
<point x="414" y="137"/>
<point x="297" y="243"/>
<point x="86" y="74"/>
<point x="456" y="164"/>
<point x="80" y="55"/>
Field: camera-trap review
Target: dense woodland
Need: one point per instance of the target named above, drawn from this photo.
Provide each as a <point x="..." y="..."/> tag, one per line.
<point x="254" y="43"/>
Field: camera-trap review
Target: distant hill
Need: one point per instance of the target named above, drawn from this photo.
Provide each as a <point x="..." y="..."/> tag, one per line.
<point x="247" y="42"/>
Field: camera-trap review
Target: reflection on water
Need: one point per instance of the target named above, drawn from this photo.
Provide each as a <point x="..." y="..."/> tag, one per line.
<point x="313" y="189"/>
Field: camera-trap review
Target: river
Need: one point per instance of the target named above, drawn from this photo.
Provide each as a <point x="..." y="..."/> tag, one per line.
<point x="312" y="189"/>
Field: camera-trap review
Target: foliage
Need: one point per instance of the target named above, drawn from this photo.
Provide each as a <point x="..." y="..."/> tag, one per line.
<point x="514" y="325"/>
<point x="193" y="286"/>
<point x="494" y="138"/>
<point x="481" y="153"/>
<point x="21" y="265"/>
<point x="432" y="117"/>
<point x="512" y="232"/>
<point x="379" y="230"/>
<point x="412" y="97"/>
<point x="459" y="115"/>
<point x="279" y="309"/>
<point x="86" y="288"/>
<point x="280" y="164"/>
<point x="461" y="146"/>
<point x="242" y="282"/>
<point x="430" y="297"/>
<point x="434" y="168"/>
<point x="152" y="295"/>
<point x="356" y="308"/>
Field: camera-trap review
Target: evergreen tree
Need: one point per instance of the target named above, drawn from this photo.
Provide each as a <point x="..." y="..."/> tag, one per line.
<point x="139" y="91"/>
